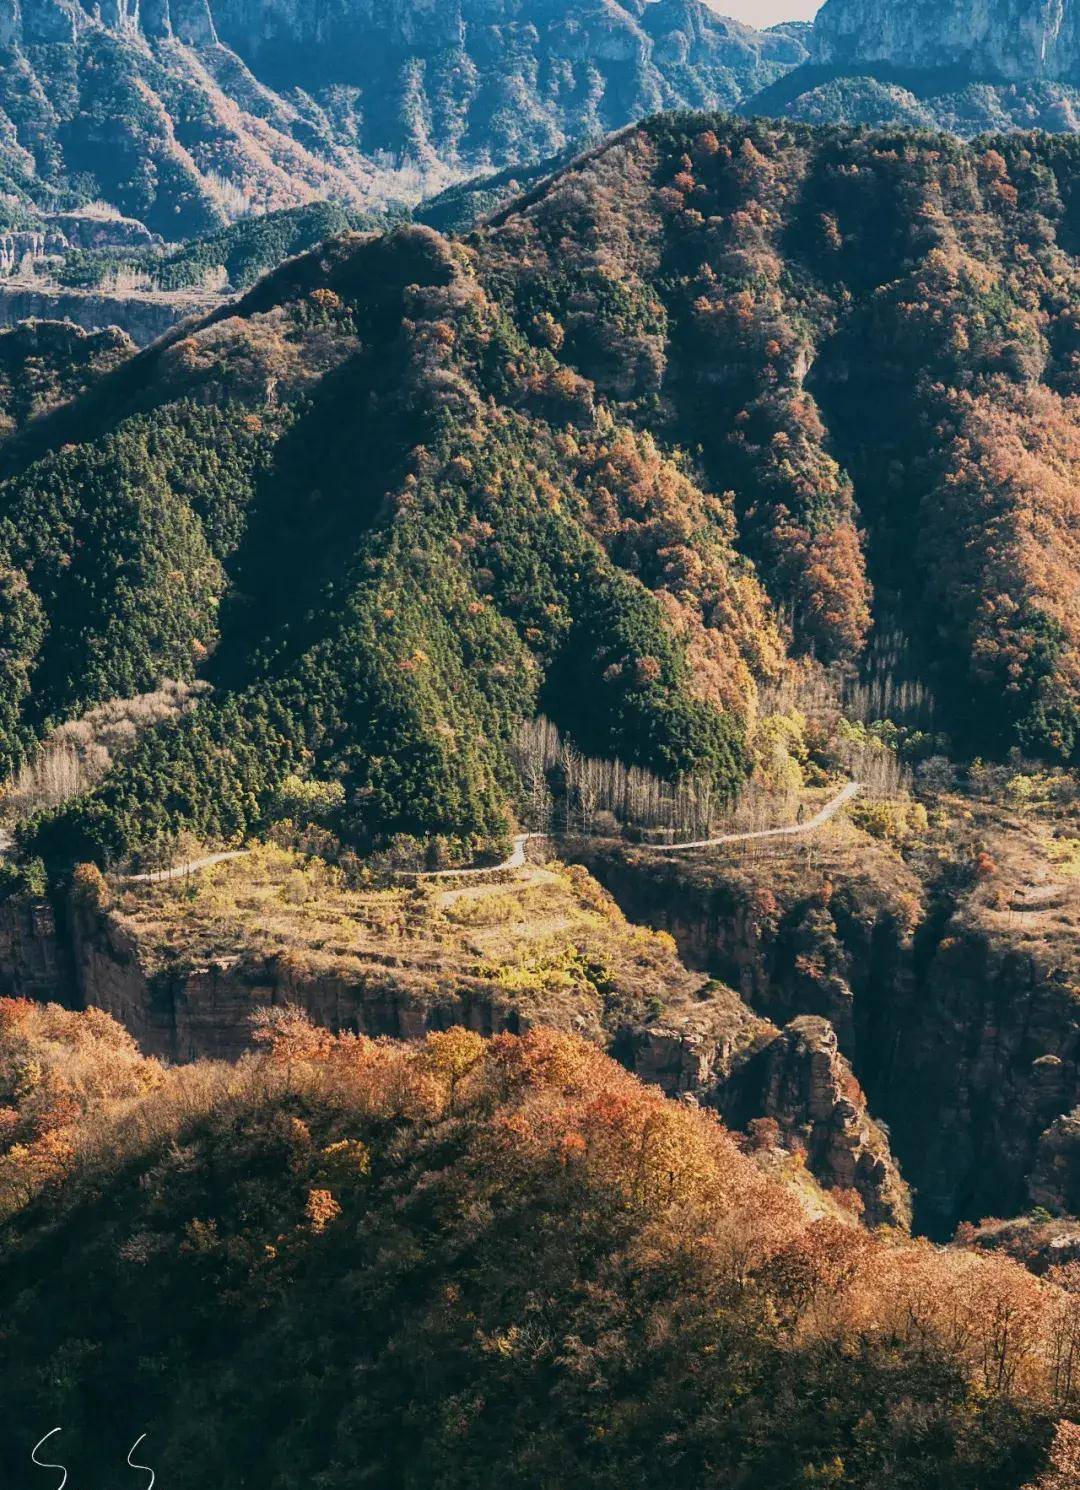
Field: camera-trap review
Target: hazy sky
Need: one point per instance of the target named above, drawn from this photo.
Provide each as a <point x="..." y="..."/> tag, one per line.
<point x="767" y="12"/>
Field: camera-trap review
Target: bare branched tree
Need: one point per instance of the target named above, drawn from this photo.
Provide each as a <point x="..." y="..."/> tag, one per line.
<point x="561" y="787"/>
<point x="75" y="757"/>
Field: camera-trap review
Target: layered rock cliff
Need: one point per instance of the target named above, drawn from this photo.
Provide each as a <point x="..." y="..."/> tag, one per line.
<point x="997" y="39"/>
<point x="964" y="66"/>
<point x="141" y="315"/>
<point x="958" y="1008"/>
<point x="33" y="955"/>
<point x="564" y="958"/>
<point x="947" y="1022"/>
<point x="802" y="1082"/>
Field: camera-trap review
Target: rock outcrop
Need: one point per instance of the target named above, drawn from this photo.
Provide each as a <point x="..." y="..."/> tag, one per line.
<point x="188" y="1012"/>
<point x="967" y="67"/>
<point x="33" y="960"/>
<point x="1037" y="1241"/>
<point x="964" y="1032"/>
<point x="1055" y="1180"/>
<point x="27" y="243"/>
<point x="804" y="1084"/>
<point x="143" y="316"/>
<point x="796" y="1077"/>
<point x="713" y="1050"/>
<point x="814" y="945"/>
<point x="45" y="363"/>
<point x="93" y="230"/>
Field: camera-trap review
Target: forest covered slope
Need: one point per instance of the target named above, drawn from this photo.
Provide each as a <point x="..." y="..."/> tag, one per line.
<point x="478" y="1263"/>
<point x="728" y="476"/>
<point x="719" y="394"/>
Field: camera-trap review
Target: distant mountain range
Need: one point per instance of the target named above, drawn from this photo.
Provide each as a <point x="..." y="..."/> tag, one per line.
<point x="246" y="132"/>
<point x="184" y="114"/>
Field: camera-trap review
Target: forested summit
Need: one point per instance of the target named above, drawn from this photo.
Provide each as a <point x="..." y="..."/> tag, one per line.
<point x="719" y="395"/>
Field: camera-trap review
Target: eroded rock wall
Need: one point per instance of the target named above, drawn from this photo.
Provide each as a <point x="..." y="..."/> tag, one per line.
<point x="33" y="961"/>
<point x="717" y="1052"/>
<point x="998" y="39"/>
<point x="804" y="1084"/>
<point x="965" y="1037"/>
<point x="185" y="1013"/>
<point x="143" y="317"/>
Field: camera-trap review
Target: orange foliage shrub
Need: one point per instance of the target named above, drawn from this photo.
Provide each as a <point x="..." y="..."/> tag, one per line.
<point x="550" y="1102"/>
<point x="57" y="1067"/>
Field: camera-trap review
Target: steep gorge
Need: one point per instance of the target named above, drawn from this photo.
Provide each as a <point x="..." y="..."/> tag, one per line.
<point x="965" y="1040"/>
<point x="421" y="489"/>
<point x="963" y="1030"/>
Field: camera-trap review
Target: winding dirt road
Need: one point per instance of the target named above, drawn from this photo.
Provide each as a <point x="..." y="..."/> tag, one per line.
<point x="515" y="861"/>
<point x="793" y="830"/>
<point x="517" y="857"/>
<point x="179" y="871"/>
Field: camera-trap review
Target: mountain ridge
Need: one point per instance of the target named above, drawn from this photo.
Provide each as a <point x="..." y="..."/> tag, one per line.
<point x="605" y="458"/>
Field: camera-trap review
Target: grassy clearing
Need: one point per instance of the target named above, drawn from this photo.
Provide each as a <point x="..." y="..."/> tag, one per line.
<point x="549" y="940"/>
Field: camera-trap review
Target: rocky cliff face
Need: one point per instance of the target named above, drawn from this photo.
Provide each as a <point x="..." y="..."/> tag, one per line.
<point x="797" y="1078"/>
<point x="141" y="316"/>
<point x="803" y="1083"/>
<point x="203" y="1011"/>
<point x="963" y="1030"/>
<point x="338" y="42"/>
<point x="803" y="943"/>
<point x="971" y="1067"/>
<point x="963" y="66"/>
<point x="33" y="961"/>
<point x="997" y="39"/>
